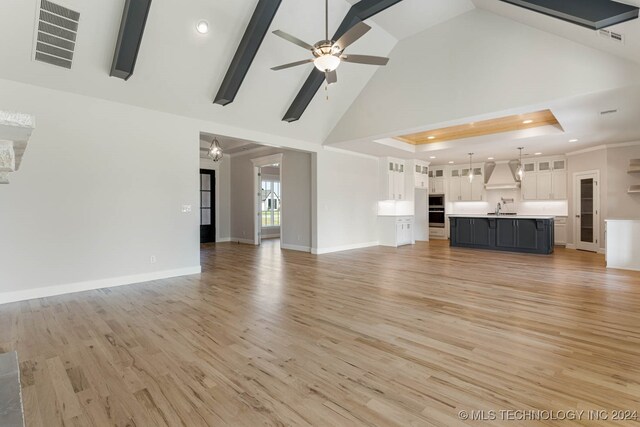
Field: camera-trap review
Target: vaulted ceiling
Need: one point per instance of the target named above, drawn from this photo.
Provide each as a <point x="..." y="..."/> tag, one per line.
<point x="179" y="71"/>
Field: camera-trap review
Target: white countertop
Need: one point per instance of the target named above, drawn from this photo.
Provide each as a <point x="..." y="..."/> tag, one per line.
<point x="623" y="219"/>
<point x="502" y="216"/>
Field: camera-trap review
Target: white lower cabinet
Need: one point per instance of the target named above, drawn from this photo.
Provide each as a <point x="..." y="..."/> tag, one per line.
<point x="437" y="233"/>
<point x="560" y="230"/>
<point x="395" y="230"/>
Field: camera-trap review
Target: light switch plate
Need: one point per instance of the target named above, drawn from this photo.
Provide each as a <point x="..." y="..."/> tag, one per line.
<point x="186" y="208"/>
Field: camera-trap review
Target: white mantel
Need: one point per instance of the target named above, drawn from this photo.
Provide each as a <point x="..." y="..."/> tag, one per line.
<point x="15" y="131"/>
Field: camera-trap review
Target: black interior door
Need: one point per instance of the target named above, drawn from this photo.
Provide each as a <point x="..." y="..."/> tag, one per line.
<point x="207" y="206"/>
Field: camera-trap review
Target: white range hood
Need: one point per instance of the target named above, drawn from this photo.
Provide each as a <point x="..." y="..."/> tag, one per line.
<point x="501" y="176"/>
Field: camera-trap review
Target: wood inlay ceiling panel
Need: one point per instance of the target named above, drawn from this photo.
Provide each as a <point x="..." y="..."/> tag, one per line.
<point x="481" y="128"/>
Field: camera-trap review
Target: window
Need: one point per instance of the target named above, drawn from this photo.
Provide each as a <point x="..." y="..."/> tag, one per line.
<point x="270" y="203"/>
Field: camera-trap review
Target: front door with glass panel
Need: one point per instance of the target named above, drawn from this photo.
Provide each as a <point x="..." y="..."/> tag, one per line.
<point x="586" y="211"/>
<point x="207" y="206"/>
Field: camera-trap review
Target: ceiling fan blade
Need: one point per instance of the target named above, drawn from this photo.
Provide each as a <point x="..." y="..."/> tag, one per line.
<point x="292" y="64"/>
<point x="365" y="59"/>
<point x="352" y="35"/>
<point x="331" y="76"/>
<point x="293" y="39"/>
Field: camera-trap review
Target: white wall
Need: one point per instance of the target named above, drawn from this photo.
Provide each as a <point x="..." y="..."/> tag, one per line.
<point x="346" y="198"/>
<point x="223" y="196"/>
<point x="460" y="68"/>
<point x="620" y="203"/>
<point x="296" y="197"/>
<point x="99" y="192"/>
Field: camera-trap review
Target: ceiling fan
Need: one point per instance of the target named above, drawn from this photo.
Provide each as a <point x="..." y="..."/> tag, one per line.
<point x="329" y="54"/>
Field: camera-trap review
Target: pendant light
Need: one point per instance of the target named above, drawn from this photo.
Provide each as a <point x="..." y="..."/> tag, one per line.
<point x="470" y="176"/>
<point x="520" y="165"/>
<point x="215" y="151"/>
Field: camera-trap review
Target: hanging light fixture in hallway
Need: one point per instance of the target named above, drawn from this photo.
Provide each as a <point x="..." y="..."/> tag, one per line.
<point x="215" y="151"/>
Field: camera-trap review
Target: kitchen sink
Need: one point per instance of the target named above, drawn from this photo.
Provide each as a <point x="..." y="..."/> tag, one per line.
<point x="503" y="214"/>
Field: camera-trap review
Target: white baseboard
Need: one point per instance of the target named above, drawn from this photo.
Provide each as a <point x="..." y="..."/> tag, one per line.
<point x="223" y="239"/>
<point x="295" y="247"/>
<point x="623" y="267"/>
<point x="239" y="240"/>
<point x="49" y="291"/>
<point x="602" y="251"/>
<point x="270" y="236"/>
<point x="320" y="251"/>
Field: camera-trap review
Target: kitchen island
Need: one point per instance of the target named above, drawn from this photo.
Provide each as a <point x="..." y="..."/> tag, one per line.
<point x="512" y="233"/>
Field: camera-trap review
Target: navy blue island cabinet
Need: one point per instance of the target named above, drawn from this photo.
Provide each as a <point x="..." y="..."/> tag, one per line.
<point x="528" y="234"/>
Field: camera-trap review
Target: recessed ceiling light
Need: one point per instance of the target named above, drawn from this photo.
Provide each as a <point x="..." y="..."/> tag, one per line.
<point x="451" y="162"/>
<point x="432" y="157"/>
<point x="490" y="158"/>
<point x="537" y="154"/>
<point x="202" y="27"/>
<point x="526" y="122"/>
<point x="431" y="137"/>
<point x="573" y="140"/>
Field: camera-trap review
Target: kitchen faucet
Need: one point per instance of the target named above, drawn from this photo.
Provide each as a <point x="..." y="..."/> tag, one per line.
<point x="498" y="207"/>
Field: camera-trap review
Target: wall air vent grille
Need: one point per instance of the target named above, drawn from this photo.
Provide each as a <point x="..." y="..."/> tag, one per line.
<point x="612" y="35"/>
<point x="56" y="33"/>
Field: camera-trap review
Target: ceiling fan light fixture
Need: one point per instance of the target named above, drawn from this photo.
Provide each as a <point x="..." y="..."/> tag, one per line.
<point x="327" y="63"/>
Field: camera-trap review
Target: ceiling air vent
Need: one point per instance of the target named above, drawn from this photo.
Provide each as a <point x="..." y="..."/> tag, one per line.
<point x="56" y="34"/>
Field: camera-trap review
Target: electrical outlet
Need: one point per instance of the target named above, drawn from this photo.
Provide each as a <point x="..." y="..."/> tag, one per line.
<point x="186" y="208"/>
<point x="153" y="259"/>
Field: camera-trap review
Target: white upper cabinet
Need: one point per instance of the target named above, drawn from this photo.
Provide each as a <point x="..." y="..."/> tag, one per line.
<point x="437" y="182"/>
<point x="421" y="174"/>
<point x="460" y="189"/>
<point x="393" y="179"/>
<point x="529" y="186"/>
<point x="545" y="179"/>
<point x="454" y="185"/>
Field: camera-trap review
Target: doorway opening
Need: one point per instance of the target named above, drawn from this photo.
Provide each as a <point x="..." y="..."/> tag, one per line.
<point x="207" y="206"/>
<point x="268" y="198"/>
<point x="586" y="191"/>
<point x="271" y="202"/>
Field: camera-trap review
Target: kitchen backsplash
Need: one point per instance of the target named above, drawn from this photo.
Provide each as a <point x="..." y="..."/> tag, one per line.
<point x="550" y="207"/>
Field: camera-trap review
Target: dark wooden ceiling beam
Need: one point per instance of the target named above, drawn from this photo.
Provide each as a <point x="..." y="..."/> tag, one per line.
<point x="360" y="11"/>
<point x="247" y="50"/>
<point x="134" y="19"/>
<point x="592" y="14"/>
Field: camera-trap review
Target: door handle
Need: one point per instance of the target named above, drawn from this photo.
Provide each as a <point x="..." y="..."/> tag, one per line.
<point x="577" y="216"/>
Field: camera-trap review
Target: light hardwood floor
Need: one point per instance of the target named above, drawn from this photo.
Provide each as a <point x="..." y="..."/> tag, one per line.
<point x="375" y="337"/>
